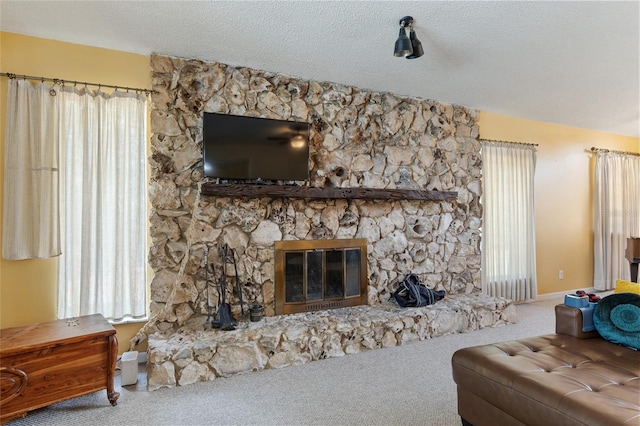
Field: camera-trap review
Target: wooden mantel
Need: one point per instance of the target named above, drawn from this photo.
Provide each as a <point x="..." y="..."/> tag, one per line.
<point x="252" y="191"/>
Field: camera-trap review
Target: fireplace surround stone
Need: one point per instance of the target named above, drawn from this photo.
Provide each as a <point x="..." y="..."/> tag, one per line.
<point x="195" y="352"/>
<point x="359" y="138"/>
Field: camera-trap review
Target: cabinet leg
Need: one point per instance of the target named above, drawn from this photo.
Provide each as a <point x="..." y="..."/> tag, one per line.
<point x="113" y="397"/>
<point x="111" y="370"/>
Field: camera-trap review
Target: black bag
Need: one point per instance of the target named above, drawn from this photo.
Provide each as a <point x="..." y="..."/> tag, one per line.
<point x="412" y="293"/>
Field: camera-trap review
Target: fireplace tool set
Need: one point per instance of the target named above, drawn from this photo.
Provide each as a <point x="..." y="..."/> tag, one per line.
<point x="224" y="319"/>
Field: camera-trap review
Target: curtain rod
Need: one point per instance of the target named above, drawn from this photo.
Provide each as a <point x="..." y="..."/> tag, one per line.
<point x="83" y="83"/>
<point x="515" y="143"/>
<point x="593" y="149"/>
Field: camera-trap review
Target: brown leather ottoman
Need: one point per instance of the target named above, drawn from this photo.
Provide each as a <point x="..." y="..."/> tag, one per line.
<point x="549" y="380"/>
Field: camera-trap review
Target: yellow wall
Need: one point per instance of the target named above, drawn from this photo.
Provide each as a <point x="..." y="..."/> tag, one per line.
<point x="563" y="181"/>
<point x="28" y="287"/>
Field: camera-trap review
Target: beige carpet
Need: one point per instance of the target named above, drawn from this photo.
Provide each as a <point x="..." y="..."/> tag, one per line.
<point x="403" y="385"/>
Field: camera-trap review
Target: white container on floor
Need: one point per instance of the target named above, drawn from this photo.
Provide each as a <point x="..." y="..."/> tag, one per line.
<point x="129" y="368"/>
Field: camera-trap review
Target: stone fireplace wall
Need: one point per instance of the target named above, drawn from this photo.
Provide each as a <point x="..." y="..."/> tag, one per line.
<point x="359" y="138"/>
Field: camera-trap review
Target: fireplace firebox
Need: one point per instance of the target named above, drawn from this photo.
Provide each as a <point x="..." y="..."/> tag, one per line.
<point x="314" y="275"/>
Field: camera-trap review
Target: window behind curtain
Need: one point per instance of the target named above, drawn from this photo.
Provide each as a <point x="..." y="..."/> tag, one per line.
<point x="508" y="233"/>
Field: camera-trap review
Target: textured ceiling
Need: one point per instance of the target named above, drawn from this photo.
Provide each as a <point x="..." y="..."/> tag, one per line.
<point x="572" y="63"/>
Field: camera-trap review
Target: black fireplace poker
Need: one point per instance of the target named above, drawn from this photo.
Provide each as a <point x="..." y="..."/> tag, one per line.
<point x="225" y="320"/>
<point x="238" y="286"/>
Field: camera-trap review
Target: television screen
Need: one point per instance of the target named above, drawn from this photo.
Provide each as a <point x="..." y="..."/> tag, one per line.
<point x="253" y="148"/>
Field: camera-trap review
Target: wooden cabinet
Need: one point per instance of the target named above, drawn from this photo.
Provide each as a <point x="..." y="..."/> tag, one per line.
<point x="45" y="363"/>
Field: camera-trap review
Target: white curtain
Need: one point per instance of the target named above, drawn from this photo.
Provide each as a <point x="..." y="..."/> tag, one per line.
<point x="616" y="204"/>
<point x="97" y="219"/>
<point x="508" y="232"/>
<point x="31" y="178"/>
<point x="102" y="268"/>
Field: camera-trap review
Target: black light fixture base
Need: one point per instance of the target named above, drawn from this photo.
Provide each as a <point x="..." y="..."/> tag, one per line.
<point x="406" y="21"/>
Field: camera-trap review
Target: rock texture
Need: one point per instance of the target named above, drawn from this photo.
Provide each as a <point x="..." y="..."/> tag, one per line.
<point x="195" y="352"/>
<point x="358" y="138"/>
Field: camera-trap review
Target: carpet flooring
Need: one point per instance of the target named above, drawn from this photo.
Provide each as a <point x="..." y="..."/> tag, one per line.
<point x="402" y="385"/>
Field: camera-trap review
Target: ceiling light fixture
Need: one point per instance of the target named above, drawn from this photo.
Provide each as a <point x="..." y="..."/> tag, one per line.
<point x="408" y="47"/>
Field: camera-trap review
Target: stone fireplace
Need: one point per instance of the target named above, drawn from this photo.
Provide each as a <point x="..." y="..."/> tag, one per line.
<point x="313" y="275"/>
<point x="359" y="139"/>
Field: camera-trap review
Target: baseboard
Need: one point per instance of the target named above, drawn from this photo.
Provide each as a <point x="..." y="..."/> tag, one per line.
<point x="561" y="294"/>
<point x="558" y="295"/>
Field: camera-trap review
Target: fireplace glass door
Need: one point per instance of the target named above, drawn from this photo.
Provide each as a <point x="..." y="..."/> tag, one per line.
<point x="321" y="274"/>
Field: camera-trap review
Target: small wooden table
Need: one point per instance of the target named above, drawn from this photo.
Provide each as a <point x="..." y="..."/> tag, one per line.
<point x="45" y="363"/>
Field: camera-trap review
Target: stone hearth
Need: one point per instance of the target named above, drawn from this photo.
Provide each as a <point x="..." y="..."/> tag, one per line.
<point x="196" y="353"/>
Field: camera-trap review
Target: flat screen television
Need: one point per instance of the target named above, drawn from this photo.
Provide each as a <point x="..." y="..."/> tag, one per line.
<point x="256" y="149"/>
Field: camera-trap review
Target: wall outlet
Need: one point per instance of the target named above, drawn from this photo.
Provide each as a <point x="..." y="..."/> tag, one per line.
<point x="561" y="274"/>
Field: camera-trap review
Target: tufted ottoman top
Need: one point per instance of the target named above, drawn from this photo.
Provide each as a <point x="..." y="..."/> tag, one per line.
<point x="554" y="380"/>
